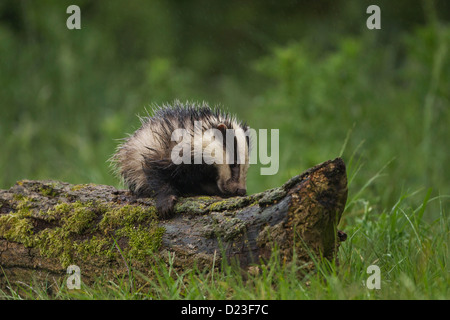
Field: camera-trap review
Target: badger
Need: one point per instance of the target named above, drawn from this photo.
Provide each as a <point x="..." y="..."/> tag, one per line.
<point x="212" y="143"/>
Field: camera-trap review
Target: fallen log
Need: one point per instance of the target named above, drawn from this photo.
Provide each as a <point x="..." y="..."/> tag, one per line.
<point x="45" y="226"/>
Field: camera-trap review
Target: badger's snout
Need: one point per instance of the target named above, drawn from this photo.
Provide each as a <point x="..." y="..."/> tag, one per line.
<point x="231" y="189"/>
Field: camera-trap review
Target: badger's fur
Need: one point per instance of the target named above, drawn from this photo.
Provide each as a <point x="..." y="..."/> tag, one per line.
<point x="144" y="159"/>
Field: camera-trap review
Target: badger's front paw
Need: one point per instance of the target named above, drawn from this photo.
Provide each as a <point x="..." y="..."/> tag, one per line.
<point x="165" y="206"/>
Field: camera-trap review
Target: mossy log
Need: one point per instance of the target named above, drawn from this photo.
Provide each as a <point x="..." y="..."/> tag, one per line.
<point x="45" y="226"/>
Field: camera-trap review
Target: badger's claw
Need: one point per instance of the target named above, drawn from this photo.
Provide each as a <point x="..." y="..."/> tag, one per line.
<point x="165" y="206"/>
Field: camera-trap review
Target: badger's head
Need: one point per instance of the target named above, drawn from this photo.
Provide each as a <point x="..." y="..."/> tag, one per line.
<point x="230" y="156"/>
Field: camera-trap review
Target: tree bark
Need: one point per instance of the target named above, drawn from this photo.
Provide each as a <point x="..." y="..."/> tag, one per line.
<point x="45" y="226"/>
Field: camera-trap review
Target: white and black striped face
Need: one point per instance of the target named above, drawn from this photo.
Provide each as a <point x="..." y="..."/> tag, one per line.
<point x="232" y="174"/>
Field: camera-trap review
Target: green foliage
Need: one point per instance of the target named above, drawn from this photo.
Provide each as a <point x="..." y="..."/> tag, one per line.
<point x="379" y="99"/>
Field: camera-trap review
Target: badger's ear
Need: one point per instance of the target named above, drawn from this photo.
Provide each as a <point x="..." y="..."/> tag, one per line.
<point x="223" y="128"/>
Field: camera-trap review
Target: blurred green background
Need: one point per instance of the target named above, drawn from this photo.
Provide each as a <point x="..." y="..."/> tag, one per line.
<point x="308" y="68"/>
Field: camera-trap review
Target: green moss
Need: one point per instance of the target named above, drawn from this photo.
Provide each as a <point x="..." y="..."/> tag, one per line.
<point x="141" y="240"/>
<point x="48" y="191"/>
<point x="190" y="206"/>
<point x="205" y="198"/>
<point x="18" y="197"/>
<point x="86" y="230"/>
<point x="196" y="206"/>
<point x="78" y="187"/>
<point x="230" y="204"/>
<point x="218" y="206"/>
<point x="95" y="246"/>
<point x="136" y="224"/>
<point x="22" y="202"/>
<point x="16" y="227"/>
<point x="80" y="220"/>
<point x="63" y="210"/>
<point x="56" y="243"/>
<point x="125" y="216"/>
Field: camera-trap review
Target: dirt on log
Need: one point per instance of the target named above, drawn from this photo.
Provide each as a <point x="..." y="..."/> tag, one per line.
<point x="45" y="226"/>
